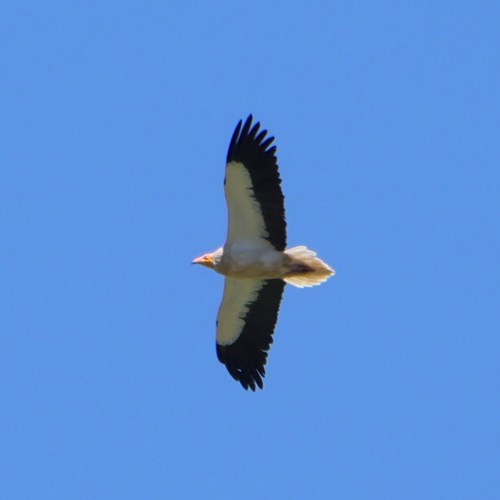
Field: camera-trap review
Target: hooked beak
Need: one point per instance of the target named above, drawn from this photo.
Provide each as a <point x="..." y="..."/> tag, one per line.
<point x="204" y="260"/>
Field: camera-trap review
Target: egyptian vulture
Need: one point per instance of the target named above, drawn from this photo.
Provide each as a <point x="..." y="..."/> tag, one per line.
<point x="254" y="260"/>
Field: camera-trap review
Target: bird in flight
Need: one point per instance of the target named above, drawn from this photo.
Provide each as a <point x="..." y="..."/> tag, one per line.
<point x="254" y="258"/>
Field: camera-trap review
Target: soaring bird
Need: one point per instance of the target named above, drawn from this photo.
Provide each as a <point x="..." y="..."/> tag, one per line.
<point x="254" y="258"/>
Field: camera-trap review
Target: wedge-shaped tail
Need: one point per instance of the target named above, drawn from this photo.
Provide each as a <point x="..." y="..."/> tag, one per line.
<point x="305" y="268"/>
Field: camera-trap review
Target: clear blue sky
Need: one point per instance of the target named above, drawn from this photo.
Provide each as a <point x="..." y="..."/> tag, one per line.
<point x="382" y="383"/>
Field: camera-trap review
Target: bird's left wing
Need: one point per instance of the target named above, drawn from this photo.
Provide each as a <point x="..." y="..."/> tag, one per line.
<point x="245" y="325"/>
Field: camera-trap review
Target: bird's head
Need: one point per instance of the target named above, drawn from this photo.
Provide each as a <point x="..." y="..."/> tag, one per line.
<point x="209" y="260"/>
<point x="206" y="260"/>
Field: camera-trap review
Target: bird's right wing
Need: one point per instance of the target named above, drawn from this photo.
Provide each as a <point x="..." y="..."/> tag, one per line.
<point x="252" y="186"/>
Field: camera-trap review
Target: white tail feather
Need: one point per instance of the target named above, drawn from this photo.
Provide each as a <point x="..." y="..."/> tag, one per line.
<point x="301" y="257"/>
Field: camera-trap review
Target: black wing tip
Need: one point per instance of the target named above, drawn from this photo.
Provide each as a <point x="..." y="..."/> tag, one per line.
<point x="234" y="140"/>
<point x="246" y="136"/>
<point x="250" y="381"/>
<point x="248" y="377"/>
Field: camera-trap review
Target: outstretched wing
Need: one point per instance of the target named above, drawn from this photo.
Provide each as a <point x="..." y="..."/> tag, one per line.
<point x="254" y="198"/>
<point x="245" y="325"/>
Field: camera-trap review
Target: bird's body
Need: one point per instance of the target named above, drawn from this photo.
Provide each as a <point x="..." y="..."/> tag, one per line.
<point x="254" y="258"/>
<point x="295" y="265"/>
<point x="251" y="263"/>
